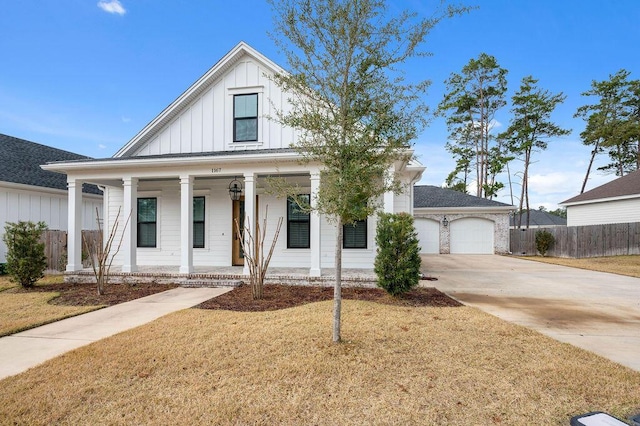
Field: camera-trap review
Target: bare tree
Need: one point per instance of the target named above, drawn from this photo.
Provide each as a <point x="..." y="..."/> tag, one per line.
<point x="100" y="254"/>
<point x="253" y="247"/>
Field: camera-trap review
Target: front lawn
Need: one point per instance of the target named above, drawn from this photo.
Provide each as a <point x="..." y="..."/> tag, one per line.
<point x="622" y="265"/>
<point x="21" y="310"/>
<point x="52" y="300"/>
<point x="398" y="365"/>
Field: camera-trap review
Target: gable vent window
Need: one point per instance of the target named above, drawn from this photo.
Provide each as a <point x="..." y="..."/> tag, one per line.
<point x="245" y="118"/>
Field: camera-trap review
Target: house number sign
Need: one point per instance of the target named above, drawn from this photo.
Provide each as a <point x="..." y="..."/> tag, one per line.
<point x="216" y="170"/>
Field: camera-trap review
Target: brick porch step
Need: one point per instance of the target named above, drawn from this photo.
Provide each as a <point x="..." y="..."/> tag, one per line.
<point x="199" y="282"/>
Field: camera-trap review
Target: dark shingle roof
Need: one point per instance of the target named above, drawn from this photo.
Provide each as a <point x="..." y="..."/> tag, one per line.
<point x="625" y="185"/>
<point x="433" y="196"/>
<point x="21" y="160"/>
<point x="539" y="218"/>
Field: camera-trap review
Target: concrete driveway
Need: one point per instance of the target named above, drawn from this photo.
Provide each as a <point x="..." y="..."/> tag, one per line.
<point x="596" y="311"/>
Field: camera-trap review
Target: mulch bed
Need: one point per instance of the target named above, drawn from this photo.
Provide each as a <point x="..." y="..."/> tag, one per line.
<point x="276" y="296"/>
<point x="283" y="296"/>
<point x="73" y="294"/>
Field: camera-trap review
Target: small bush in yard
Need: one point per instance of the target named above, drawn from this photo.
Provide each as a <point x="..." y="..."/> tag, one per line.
<point x="544" y="241"/>
<point x="3" y="269"/>
<point x="397" y="263"/>
<point x="26" y="261"/>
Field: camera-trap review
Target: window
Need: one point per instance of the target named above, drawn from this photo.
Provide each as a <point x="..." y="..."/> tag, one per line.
<point x="147" y="221"/>
<point x="355" y="236"/>
<point x="198" y="222"/>
<point x="245" y="118"/>
<point x="298" y="225"/>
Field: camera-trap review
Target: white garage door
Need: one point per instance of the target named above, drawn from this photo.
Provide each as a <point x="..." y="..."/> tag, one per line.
<point x="471" y="236"/>
<point x="428" y="234"/>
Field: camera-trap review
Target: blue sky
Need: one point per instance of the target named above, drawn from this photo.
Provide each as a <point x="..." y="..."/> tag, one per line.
<point x="87" y="75"/>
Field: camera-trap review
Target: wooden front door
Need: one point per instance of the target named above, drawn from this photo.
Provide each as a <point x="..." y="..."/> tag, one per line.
<point x="236" y="250"/>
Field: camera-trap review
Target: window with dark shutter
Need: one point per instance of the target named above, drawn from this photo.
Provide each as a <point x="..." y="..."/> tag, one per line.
<point x="298" y="224"/>
<point x="147" y="221"/>
<point x="198" y="222"/>
<point x="355" y="235"/>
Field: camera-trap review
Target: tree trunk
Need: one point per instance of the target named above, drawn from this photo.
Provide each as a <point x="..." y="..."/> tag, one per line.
<point x="337" y="289"/>
<point x="593" y="156"/>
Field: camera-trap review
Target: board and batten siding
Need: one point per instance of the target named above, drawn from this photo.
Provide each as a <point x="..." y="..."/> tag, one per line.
<point x="206" y="124"/>
<point x="615" y="211"/>
<point x="36" y="206"/>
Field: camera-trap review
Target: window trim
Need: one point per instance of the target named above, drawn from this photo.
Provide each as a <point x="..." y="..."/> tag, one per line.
<point x="289" y="221"/>
<point x="203" y="221"/>
<point x="138" y="223"/>
<point x="366" y="235"/>
<point x="236" y="119"/>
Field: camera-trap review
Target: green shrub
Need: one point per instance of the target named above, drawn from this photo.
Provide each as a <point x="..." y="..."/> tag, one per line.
<point x="544" y="241"/>
<point x="397" y="263"/>
<point x="26" y="261"/>
<point x="3" y="269"/>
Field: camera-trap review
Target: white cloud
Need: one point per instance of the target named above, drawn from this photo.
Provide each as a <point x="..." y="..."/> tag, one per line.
<point x="112" y="6"/>
<point x="102" y="146"/>
<point x="126" y="119"/>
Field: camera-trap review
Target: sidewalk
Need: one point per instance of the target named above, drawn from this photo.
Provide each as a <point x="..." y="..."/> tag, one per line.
<point x="21" y="351"/>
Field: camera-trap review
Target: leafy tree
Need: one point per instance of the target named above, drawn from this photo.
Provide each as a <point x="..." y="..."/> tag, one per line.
<point x="355" y="112"/>
<point x="397" y="263"/>
<point x="530" y="129"/>
<point x="26" y="261"/>
<point x="473" y="98"/>
<point x="561" y="212"/>
<point x="613" y="123"/>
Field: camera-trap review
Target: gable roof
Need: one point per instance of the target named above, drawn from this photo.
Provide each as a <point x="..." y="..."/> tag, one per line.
<point x="627" y="186"/>
<point x="21" y="160"/>
<point x="170" y="112"/>
<point x="538" y="218"/>
<point x="429" y="196"/>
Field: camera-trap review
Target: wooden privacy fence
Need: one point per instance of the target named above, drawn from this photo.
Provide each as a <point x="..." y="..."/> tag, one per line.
<point x="581" y="241"/>
<point x="55" y="248"/>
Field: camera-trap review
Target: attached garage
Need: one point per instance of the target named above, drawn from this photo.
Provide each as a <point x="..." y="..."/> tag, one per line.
<point x="449" y="221"/>
<point x="471" y="235"/>
<point x="428" y="234"/>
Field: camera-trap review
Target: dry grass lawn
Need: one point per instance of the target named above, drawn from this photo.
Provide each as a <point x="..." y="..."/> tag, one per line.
<point x="398" y="365"/>
<point x="21" y="311"/>
<point x="622" y="265"/>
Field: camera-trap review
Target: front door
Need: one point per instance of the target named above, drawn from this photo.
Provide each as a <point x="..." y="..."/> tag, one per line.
<point x="236" y="250"/>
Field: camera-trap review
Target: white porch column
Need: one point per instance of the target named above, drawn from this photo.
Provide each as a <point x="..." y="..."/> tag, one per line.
<point x="249" y="211"/>
<point x="389" y="196"/>
<point x="130" y="239"/>
<point x="314" y="223"/>
<point x="186" y="224"/>
<point x="74" y="226"/>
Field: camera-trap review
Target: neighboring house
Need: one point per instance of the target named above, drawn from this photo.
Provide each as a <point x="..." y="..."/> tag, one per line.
<point x="449" y="221"/>
<point x="615" y="202"/>
<point x="29" y="193"/>
<point x="537" y="219"/>
<point x="203" y="163"/>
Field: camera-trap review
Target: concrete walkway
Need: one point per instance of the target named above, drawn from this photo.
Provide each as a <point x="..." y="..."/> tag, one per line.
<point x="595" y="311"/>
<point x="27" y="349"/>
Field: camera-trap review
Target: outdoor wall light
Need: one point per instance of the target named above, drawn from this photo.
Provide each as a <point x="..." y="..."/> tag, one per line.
<point x="235" y="189"/>
<point x="445" y="222"/>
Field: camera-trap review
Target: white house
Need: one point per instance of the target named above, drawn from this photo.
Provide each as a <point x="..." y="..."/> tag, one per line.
<point x="176" y="178"/>
<point x="29" y="193"/>
<point x="617" y="201"/>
